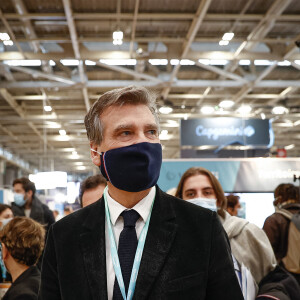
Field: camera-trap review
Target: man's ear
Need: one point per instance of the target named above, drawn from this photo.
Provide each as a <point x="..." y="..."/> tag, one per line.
<point x="94" y="155"/>
<point x="5" y="252"/>
<point x="30" y="193"/>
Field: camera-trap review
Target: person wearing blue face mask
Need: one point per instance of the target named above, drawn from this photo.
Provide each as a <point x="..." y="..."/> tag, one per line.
<point x="26" y="203"/>
<point x="136" y="242"/>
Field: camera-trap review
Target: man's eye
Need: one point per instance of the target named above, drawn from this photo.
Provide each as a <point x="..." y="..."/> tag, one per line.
<point x="125" y="133"/>
<point x="153" y="132"/>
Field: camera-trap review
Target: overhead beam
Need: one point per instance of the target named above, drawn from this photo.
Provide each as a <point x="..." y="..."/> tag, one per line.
<point x="222" y="72"/>
<point x="192" y="55"/>
<point x="197" y="21"/>
<point x="135" y="16"/>
<point x="11" y="34"/>
<point x="150" y="16"/>
<point x="35" y="74"/>
<point x="12" y="102"/>
<point x="142" y="39"/>
<point x="73" y="34"/>
<point x="106" y="84"/>
<point x="128" y="72"/>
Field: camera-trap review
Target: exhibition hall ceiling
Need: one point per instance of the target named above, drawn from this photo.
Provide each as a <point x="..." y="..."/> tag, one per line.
<point x="57" y="57"/>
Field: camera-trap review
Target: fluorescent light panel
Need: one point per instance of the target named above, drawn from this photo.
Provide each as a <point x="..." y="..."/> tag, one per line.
<point x="207" y="109"/>
<point x="223" y="43"/>
<point x="228" y="36"/>
<point x="4" y="36"/>
<point x="47" y="108"/>
<point x="119" y="62"/>
<point x="23" y="62"/>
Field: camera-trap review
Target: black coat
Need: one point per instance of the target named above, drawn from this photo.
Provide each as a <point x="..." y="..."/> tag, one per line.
<point x="186" y="255"/>
<point x="26" y="286"/>
<point x="39" y="212"/>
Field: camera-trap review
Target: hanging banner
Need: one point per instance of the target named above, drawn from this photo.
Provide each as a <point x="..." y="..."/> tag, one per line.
<point x="225" y="131"/>
<point x="235" y="175"/>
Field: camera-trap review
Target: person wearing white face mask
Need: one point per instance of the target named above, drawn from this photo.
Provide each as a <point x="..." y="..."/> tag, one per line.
<point x="250" y="245"/>
<point x="6" y="214"/>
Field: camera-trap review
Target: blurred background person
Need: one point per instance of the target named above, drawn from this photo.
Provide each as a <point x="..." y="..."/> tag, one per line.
<point x="277" y="225"/>
<point x="233" y="204"/>
<point x="22" y="242"/>
<point x="68" y="210"/>
<point x="56" y="215"/>
<point x="91" y="189"/>
<point x="26" y="203"/>
<point x="249" y="244"/>
<point x="6" y="214"/>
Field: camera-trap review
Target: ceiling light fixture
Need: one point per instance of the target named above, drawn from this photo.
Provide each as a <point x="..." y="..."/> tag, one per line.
<point x="158" y="62"/>
<point x="207" y="110"/>
<point x="289" y="147"/>
<point x="223" y="43"/>
<point x="4" y="36"/>
<point x="70" y="62"/>
<point x="8" y="43"/>
<point x="119" y="62"/>
<point x="81" y="168"/>
<point x="47" y="108"/>
<point x="263" y="116"/>
<point x="226" y="103"/>
<point x="244" y="109"/>
<point x="279" y="110"/>
<point x="62" y="132"/>
<point x="228" y="36"/>
<point x="164" y="135"/>
<point x="118" y="37"/>
<point x="166" y="108"/>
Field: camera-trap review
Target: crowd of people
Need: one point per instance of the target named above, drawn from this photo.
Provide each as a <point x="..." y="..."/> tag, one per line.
<point x="130" y="240"/>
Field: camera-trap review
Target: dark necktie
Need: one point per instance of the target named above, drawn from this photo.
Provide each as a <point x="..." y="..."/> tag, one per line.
<point x="126" y="250"/>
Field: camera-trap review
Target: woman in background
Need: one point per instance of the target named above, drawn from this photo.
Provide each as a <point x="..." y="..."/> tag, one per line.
<point x="6" y="214"/>
<point x="249" y="244"/>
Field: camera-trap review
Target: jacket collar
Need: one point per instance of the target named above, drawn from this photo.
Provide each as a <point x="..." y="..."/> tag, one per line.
<point x="160" y="237"/>
<point x="92" y="243"/>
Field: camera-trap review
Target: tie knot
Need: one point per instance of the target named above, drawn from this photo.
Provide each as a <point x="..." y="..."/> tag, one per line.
<point x="130" y="217"/>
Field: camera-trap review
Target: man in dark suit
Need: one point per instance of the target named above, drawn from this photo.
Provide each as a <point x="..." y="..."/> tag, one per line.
<point x="136" y="242"/>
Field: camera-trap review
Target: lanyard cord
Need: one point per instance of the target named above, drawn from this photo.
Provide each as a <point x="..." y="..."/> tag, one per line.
<point x="115" y="257"/>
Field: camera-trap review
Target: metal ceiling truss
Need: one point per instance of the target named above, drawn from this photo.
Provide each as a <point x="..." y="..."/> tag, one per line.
<point x="262" y="34"/>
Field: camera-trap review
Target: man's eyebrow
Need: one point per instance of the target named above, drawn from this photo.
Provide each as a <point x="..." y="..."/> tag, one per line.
<point x="123" y="126"/>
<point x="151" y="126"/>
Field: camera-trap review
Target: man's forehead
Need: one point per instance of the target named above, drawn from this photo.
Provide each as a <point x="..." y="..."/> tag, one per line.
<point x="121" y="113"/>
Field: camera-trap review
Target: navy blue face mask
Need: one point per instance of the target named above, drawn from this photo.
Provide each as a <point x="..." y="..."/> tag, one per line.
<point x="132" y="168"/>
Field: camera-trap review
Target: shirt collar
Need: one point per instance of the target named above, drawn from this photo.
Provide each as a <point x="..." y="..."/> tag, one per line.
<point x="143" y="207"/>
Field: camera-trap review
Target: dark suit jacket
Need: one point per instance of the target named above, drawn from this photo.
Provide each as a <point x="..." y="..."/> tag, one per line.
<point x="26" y="286"/>
<point x="186" y="255"/>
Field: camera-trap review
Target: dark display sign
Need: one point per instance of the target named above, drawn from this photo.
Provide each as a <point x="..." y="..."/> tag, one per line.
<point x="222" y="132"/>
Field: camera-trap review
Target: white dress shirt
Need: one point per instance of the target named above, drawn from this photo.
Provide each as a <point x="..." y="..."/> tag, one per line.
<point x="117" y="224"/>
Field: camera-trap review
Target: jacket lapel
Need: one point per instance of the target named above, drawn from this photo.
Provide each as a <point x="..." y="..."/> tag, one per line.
<point x="160" y="237"/>
<point x="92" y="241"/>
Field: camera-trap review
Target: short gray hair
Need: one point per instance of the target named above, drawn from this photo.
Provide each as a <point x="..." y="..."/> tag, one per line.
<point x="129" y="95"/>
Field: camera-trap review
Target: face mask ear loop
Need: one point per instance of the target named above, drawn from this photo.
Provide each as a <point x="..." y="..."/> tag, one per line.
<point x="95" y="151"/>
